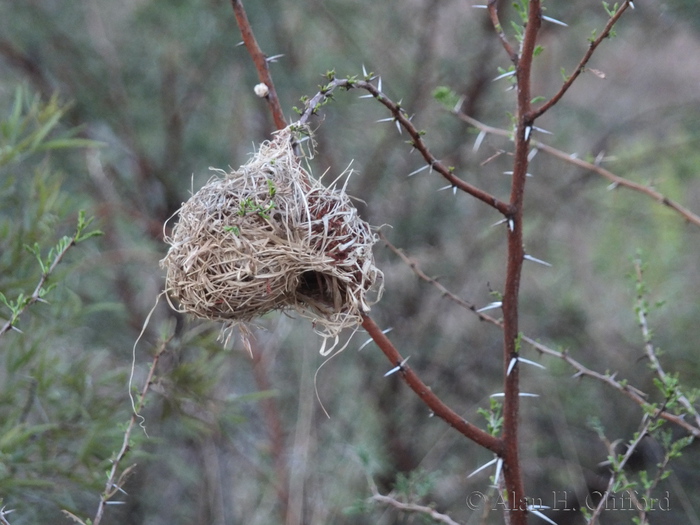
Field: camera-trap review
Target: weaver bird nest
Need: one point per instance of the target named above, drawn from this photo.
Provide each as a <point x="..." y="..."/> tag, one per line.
<point x="269" y="236"/>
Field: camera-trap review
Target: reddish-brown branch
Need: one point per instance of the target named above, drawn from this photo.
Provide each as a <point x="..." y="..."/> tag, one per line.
<point x="271" y="417"/>
<point x="511" y="462"/>
<point x="582" y="64"/>
<point x="417" y="141"/>
<point x="426" y="395"/>
<point x="260" y="61"/>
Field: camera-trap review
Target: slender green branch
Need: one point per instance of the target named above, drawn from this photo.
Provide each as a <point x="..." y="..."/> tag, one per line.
<point x="48" y="267"/>
<point x="114" y="482"/>
<point x="580" y="68"/>
<point x="618" y="466"/>
<point x="650" y="351"/>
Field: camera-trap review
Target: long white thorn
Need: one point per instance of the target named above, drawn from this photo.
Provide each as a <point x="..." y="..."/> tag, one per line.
<point x="554" y="21"/>
<point x="397" y="368"/>
<point x="520" y="394"/>
<point x="499" y="466"/>
<point x="416" y="172"/>
<point x="490" y="306"/>
<point x="511" y="365"/>
<point x="536" y="260"/>
<point x="479" y="139"/>
<point x="370" y="340"/>
<point x="482" y="467"/>
<point x="504" y="75"/>
<point x="532" y="363"/>
<point x="533" y="510"/>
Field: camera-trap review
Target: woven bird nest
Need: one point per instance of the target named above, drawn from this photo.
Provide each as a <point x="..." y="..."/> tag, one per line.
<point x="268" y="236"/>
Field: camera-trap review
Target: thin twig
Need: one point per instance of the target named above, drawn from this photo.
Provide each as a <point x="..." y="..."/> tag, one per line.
<point x="619" y="466"/>
<point x="260" y="61"/>
<point x="651" y="351"/>
<point x="39" y="289"/>
<point x="616" y="180"/>
<point x="580" y="68"/>
<point x="414" y="507"/>
<point x="113" y="482"/>
<point x="498" y="28"/>
<point x="631" y="392"/>
<point x="445" y="292"/>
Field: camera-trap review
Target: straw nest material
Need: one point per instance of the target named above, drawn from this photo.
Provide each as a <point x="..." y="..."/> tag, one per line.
<point x="268" y="236"/>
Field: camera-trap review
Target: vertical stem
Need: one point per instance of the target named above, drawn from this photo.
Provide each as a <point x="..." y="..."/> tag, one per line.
<point x="269" y="407"/>
<point x="511" y="464"/>
<point x="275" y="431"/>
<point x="260" y="61"/>
<point x="114" y="483"/>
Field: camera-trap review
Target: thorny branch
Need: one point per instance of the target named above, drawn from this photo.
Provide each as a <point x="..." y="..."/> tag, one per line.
<point x="616" y="180"/>
<point x="114" y="483"/>
<point x="649" y="346"/>
<point x="629" y="391"/>
<point x="404" y="120"/>
<point x="623" y="387"/>
<point x="493" y="14"/>
<point x="617" y="467"/>
<point x="260" y="61"/>
<point x="582" y="64"/>
<point x="512" y="474"/>
<point x="424" y="392"/>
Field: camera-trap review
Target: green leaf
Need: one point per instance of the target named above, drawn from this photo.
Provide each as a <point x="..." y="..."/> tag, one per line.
<point x="70" y="143"/>
<point x="445" y="96"/>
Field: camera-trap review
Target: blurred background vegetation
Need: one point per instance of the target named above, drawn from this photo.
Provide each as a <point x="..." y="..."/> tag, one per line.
<point x="127" y="105"/>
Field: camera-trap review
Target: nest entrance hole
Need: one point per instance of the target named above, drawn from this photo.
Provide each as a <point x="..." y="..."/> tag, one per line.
<point x="320" y="291"/>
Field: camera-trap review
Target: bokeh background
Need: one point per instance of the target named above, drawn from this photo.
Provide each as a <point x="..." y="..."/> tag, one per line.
<point x="165" y="88"/>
